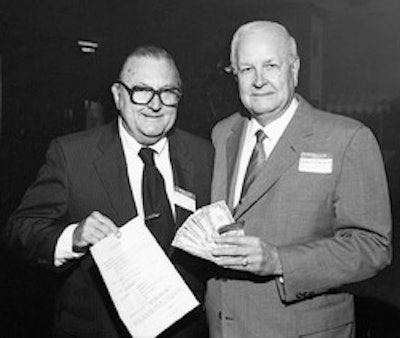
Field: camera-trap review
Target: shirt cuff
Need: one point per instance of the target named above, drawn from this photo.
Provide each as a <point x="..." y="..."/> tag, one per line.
<point x="281" y="287"/>
<point x="64" y="251"/>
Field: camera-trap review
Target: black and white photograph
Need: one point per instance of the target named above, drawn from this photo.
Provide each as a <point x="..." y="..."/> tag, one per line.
<point x="200" y="168"/>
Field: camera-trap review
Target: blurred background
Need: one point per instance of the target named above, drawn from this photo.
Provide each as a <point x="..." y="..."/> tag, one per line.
<point x="59" y="57"/>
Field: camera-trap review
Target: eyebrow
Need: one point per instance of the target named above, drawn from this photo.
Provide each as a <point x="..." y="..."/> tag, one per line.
<point x="167" y="86"/>
<point x="269" y="60"/>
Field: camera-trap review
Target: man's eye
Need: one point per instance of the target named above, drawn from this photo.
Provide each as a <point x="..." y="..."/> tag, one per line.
<point x="245" y="69"/>
<point x="143" y="89"/>
<point x="271" y="66"/>
<point x="171" y="91"/>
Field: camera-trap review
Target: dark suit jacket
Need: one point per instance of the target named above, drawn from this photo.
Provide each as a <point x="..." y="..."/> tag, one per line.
<point x="331" y="227"/>
<point x="86" y="172"/>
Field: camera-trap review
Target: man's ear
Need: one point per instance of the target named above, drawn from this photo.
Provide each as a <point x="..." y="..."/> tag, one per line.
<point x="295" y="68"/>
<point x="115" y="94"/>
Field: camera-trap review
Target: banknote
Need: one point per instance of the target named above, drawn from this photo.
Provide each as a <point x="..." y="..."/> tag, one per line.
<point x="197" y="233"/>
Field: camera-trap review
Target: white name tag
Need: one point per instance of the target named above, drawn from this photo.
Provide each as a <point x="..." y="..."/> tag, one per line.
<point x="318" y="163"/>
<point x="185" y="199"/>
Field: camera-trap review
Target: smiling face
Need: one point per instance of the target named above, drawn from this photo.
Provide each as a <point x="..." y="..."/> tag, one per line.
<point x="146" y="123"/>
<point x="267" y="73"/>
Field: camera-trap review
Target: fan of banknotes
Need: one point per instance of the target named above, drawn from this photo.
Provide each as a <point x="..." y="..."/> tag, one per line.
<point x="196" y="234"/>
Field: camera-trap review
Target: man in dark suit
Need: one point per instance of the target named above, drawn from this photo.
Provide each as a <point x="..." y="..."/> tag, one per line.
<point x="91" y="184"/>
<point x="313" y="198"/>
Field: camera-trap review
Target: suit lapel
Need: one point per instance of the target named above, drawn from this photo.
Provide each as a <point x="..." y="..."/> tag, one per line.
<point x="183" y="169"/>
<point x="112" y="170"/>
<point x="233" y="153"/>
<point x="285" y="154"/>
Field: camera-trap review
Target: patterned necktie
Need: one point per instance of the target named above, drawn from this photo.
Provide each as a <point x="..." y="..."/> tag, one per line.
<point x="157" y="209"/>
<point x="257" y="159"/>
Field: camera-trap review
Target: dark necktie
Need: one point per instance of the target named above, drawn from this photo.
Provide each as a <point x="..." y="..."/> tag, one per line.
<point x="256" y="161"/>
<point x="157" y="209"/>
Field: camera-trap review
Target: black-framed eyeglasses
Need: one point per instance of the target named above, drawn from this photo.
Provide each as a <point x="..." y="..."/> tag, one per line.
<point x="143" y="95"/>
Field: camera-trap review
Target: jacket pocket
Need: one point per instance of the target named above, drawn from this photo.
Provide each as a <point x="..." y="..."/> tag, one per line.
<point x="332" y="315"/>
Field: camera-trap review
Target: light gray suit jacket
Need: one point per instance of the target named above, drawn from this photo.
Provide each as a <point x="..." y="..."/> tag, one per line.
<point x="331" y="227"/>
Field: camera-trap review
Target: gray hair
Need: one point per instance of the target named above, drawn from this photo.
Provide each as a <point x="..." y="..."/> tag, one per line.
<point x="266" y="26"/>
<point x="151" y="51"/>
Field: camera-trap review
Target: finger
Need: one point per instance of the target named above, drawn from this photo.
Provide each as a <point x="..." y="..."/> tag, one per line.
<point x="100" y="230"/>
<point x="98" y="216"/>
<point x="106" y="222"/>
<point x="226" y="261"/>
<point x="230" y="251"/>
<point x="91" y="234"/>
<point x="230" y="227"/>
<point x="237" y="263"/>
<point x="235" y="240"/>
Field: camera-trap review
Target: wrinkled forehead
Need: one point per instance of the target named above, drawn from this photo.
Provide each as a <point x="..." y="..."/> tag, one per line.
<point x="147" y="69"/>
<point x="273" y="39"/>
<point x="263" y="46"/>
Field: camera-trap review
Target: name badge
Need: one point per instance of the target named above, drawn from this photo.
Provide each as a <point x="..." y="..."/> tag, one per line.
<point x="318" y="163"/>
<point x="185" y="199"/>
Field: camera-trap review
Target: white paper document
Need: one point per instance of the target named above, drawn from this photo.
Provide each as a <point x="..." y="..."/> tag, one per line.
<point x="147" y="291"/>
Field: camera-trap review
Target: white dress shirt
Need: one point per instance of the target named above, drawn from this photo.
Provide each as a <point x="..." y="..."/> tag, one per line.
<point x="273" y="131"/>
<point x="135" y="166"/>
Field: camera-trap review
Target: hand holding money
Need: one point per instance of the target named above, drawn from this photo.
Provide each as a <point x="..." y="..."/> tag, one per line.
<point x="197" y="234"/>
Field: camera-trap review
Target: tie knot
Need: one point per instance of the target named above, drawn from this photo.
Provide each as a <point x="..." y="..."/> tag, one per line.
<point x="260" y="136"/>
<point x="146" y="154"/>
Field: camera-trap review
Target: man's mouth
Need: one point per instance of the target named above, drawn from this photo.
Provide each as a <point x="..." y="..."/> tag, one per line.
<point x="262" y="94"/>
<point x="152" y="116"/>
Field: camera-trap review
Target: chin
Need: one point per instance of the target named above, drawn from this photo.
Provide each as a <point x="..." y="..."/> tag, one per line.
<point x="159" y="133"/>
<point x="263" y="109"/>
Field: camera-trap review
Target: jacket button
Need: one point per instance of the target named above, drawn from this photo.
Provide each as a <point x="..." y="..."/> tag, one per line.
<point x="220" y="316"/>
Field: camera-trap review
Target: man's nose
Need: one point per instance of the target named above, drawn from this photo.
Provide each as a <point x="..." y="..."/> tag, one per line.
<point x="155" y="104"/>
<point x="259" y="79"/>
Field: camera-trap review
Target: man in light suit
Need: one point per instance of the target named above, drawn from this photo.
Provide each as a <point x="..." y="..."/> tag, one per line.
<point x="91" y="185"/>
<point x="316" y="215"/>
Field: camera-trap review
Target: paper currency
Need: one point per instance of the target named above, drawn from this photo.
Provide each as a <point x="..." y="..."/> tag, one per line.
<point x="196" y="234"/>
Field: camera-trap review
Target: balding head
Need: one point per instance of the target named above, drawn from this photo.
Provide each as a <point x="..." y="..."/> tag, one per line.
<point x="148" y="51"/>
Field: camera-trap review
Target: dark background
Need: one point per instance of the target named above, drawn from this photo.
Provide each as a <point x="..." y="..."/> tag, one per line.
<point x="350" y="61"/>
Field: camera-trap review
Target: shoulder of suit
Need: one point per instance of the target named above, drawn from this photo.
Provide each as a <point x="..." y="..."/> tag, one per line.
<point x="84" y="139"/>
<point x="336" y="121"/>
<point x="228" y="122"/>
<point x="89" y="134"/>
<point x="190" y="140"/>
<point x="329" y="120"/>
